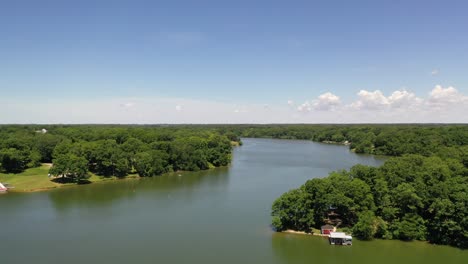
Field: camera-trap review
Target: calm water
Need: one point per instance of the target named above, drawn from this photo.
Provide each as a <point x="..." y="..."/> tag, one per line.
<point x="220" y="216"/>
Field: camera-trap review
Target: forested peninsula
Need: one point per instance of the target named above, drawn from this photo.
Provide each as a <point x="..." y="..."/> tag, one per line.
<point x="420" y="194"/>
<point x="74" y="153"/>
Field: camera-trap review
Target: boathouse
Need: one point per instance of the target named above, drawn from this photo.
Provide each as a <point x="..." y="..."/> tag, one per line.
<point x="327" y="229"/>
<point x="340" y="238"/>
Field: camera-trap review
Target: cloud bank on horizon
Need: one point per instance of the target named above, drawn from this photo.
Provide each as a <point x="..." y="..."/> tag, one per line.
<point x="441" y="105"/>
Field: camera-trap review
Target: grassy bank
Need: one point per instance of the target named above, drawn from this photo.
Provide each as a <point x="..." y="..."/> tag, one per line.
<point x="36" y="179"/>
<point x="30" y="179"/>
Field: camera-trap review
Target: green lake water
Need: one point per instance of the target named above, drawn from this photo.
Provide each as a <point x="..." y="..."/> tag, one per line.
<point x="216" y="216"/>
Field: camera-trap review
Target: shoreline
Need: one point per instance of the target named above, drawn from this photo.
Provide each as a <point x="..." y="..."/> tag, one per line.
<point x="290" y="231"/>
<point x="95" y="179"/>
<point x="69" y="185"/>
<point x="343" y="143"/>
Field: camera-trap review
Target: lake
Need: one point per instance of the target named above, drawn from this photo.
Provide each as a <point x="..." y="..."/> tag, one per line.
<point x="216" y="216"/>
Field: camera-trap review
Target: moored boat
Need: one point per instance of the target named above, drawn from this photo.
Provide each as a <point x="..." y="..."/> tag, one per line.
<point x="2" y="188"/>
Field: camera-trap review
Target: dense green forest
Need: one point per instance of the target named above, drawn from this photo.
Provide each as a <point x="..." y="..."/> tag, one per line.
<point x="408" y="198"/>
<point x="422" y="194"/>
<point x="113" y="150"/>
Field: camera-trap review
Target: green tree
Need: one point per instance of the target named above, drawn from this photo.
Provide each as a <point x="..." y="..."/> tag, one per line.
<point x="110" y="159"/>
<point x="14" y="160"/>
<point x="45" y="144"/>
<point x="34" y="159"/>
<point x="406" y="197"/>
<point x="151" y="163"/>
<point x="411" y="227"/>
<point x="366" y="227"/>
<point x="71" y="167"/>
<point x="277" y="224"/>
<point x="293" y="211"/>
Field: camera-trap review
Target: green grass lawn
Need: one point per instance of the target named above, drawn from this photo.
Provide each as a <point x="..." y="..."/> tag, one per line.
<point x="30" y="180"/>
<point x="36" y="179"/>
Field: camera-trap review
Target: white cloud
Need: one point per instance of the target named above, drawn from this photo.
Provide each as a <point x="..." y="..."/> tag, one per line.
<point x="404" y="99"/>
<point x="327" y="101"/>
<point x="290" y="102"/>
<point x="434" y="72"/>
<point x="440" y="97"/>
<point x="376" y="100"/>
<point x="440" y="105"/>
<point x="305" y="107"/>
<point x="370" y="100"/>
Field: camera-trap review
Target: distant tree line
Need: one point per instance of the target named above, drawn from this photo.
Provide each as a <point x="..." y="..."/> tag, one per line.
<point x="113" y="150"/>
<point x="391" y="140"/>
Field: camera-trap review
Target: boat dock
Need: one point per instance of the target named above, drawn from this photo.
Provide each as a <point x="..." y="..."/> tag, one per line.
<point x="340" y="238"/>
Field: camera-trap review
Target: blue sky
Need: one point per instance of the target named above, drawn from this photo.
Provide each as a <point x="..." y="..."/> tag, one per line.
<point x="234" y="55"/>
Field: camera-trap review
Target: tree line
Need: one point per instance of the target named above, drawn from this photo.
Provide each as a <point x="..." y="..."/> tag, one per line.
<point x="113" y="150"/>
<point x="378" y="139"/>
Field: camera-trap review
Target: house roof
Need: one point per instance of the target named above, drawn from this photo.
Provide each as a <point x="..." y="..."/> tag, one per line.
<point x="328" y="227"/>
<point x="339" y="235"/>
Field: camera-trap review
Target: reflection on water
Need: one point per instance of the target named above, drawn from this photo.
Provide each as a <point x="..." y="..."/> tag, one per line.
<point x="165" y="187"/>
<point x="294" y="248"/>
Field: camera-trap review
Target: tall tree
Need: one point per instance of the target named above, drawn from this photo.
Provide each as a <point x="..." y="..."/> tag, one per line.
<point x="71" y="167"/>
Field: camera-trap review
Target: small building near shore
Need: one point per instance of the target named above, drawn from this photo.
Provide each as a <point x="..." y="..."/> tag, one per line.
<point x="327" y="229"/>
<point x="340" y="238"/>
